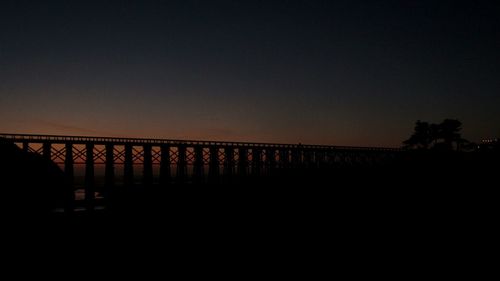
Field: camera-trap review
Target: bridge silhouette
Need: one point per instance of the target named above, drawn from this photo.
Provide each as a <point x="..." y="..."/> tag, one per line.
<point x="187" y="161"/>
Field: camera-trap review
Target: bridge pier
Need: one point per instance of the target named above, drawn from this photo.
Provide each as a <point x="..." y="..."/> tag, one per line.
<point x="147" y="166"/>
<point x="109" y="172"/>
<point x="308" y="158"/>
<point x="165" y="165"/>
<point x="128" y="166"/>
<point x="213" y="166"/>
<point x="330" y="158"/>
<point x="315" y="156"/>
<point x="256" y="161"/>
<point x="198" y="176"/>
<point x="89" y="177"/>
<point x="229" y="163"/>
<point x="284" y="161"/>
<point x="296" y="157"/>
<point x="69" y="173"/>
<point x="69" y="164"/>
<point x="242" y="162"/>
<point x="181" y="164"/>
<point x="270" y="160"/>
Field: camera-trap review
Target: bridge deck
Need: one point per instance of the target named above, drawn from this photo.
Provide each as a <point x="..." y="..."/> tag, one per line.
<point x="32" y="138"/>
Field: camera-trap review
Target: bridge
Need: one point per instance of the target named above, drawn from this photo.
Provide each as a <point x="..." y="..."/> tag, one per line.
<point x="165" y="162"/>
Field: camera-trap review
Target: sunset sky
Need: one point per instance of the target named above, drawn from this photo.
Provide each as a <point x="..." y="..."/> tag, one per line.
<point x="322" y="72"/>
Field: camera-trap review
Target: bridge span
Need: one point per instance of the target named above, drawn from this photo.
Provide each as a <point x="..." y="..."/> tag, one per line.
<point x="186" y="161"/>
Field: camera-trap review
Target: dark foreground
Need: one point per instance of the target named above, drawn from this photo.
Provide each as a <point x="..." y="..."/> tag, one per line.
<point x="441" y="200"/>
<point x="417" y="200"/>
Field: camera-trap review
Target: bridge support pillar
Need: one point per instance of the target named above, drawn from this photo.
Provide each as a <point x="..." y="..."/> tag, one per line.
<point x="89" y="177"/>
<point x="181" y="164"/>
<point x="330" y="158"/>
<point x="283" y="163"/>
<point x="213" y="167"/>
<point x="229" y="163"/>
<point x="321" y="158"/>
<point x="256" y="161"/>
<point x="128" y="166"/>
<point x="308" y="158"/>
<point x="242" y="162"/>
<point x="68" y="164"/>
<point x="148" y="166"/>
<point x="198" y="164"/>
<point x="270" y="159"/>
<point x="69" y="173"/>
<point x="296" y="157"/>
<point x="164" y="165"/>
<point x="109" y="170"/>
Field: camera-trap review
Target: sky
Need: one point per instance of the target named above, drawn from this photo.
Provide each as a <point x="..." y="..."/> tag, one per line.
<point x="354" y="72"/>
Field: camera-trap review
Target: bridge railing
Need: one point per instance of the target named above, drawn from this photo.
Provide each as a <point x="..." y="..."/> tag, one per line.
<point x="33" y="138"/>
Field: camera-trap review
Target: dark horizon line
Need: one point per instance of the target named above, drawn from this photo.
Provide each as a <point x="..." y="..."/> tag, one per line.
<point x="66" y="138"/>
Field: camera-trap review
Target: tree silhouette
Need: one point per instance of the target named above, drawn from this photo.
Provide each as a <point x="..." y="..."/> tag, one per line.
<point x="449" y="132"/>
<point x="421" y="138"/>
<point x="441" y="136"/>
<point x="434" y="132"/>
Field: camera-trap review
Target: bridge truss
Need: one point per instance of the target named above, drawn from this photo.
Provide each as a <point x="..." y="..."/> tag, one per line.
<point x="188" y="161"/>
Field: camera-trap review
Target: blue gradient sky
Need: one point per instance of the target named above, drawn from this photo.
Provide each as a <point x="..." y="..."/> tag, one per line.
<point x="328" y="72"/>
